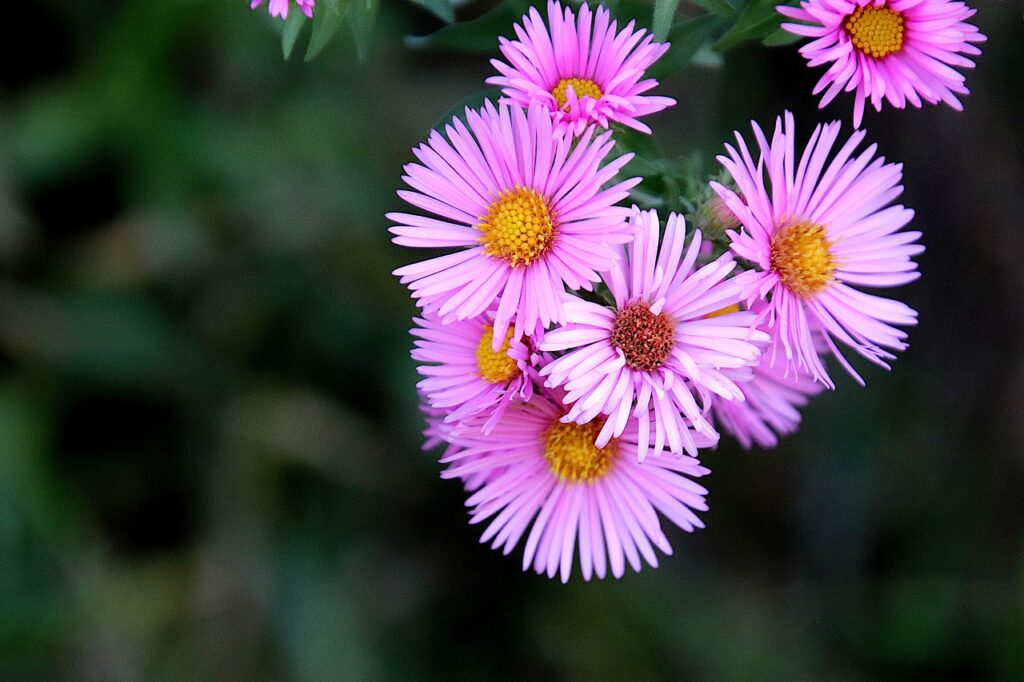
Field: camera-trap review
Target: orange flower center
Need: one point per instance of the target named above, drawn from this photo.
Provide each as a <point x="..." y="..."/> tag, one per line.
<point x="495" y="367"/>
<point x="802" y="257"/>
<point x="518" y="226"/>
<point x="876" y="31"/>
<point x="583" y="87"/>
<point x="572" y="456"/>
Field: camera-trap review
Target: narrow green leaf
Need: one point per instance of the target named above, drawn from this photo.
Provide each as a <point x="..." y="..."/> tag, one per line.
<point x="362" y="14"/>
<point x="664" y="13"/>
<point x="290" y="33"/>
<point x="442" y="9"/>
<point x="685" y="39"/>
<point x="326" y="22"/>
<point x="722" y="8"/>
<point x="476" y="35"/>
<point x="780" y="38"/>
<point x="757" y="20"/>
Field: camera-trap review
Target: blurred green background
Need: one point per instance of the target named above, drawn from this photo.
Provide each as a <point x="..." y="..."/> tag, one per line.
<point x="209" y="441"/>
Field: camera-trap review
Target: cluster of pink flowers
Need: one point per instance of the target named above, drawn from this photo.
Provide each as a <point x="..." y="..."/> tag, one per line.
<point x="577" y="352"/>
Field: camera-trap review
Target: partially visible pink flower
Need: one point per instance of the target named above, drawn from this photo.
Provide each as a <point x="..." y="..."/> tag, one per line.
<point x="550" y="478"/>
<point x="279" y="8"/>
<point x="655" y="360"/>
<point x="436" y="430"/>
<point x="464" y="375"/>
<point x="581" y="70"/>
<point x="526" y="209"/>
<point x="771" y="405"/>
<point x="815" y="230"/>
<point x="439" y="431"/>
<point x="897" y="50"/>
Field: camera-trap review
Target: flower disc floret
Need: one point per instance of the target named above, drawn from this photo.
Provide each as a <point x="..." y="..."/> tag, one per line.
<point x="876" y="31"/>
<point x="571" y="454"/>
<point x="518" y="226"/>
<point x="644" y="338"/>
<point x="495" y="366"/>
<point x="581" y="87"/>
<point x="801" y="255"/>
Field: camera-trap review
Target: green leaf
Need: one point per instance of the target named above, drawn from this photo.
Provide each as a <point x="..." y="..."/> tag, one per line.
<point x="685" y="40"/>
<point x="476" y="35"/>
<point x="442" y="9"/>
<point x="757" y="20"/>
<point x="326" y="22"/>
<point x="779" y="38"/>
<point x="643" y="145"/>
<point x="664" y="13"/>
<point x="362" y="14"/>
<point x="722" y="8"/>
<point x="290" y="33"/>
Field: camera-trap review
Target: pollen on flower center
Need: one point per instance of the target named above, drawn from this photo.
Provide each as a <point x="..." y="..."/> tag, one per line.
<point x="571" y="454"/>
<point x="645" y="339"/>
<point x="495" y="367"/>
<point x="583" y="87"/>
<point x="518" y="226"/>
<point x="727" y="310"/>
<point x="875" y="31"/>
<point x="802" y="257"/>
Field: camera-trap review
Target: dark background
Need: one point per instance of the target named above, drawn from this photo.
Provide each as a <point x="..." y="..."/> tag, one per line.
<point x="209" y="442"/>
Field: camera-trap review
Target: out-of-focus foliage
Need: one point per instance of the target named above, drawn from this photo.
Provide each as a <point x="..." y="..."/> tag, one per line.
<point x="210" y="464"/>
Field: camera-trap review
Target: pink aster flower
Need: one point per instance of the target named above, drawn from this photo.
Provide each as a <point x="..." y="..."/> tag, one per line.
<point x="279" y="8"/>
<point x="582" y="71"/>
<point x="464" y="375"/>
<point x="815" y="230"/>
<point x="524" y="206"/>
<point x="770" y="407"/>
<point x="898" y="50"/>
<point x="657" y="357"/>
<point x="439" y="431"/>
<point x="552" y="480"/>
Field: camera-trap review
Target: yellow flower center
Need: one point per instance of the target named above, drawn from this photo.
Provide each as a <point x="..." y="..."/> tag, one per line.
<point x="495" y="367"/>
<point x="802" y="257"/>
<point x="876" y="31"/>
<point x="734" y="308"/>
<point x="572" y="456"/>
<point x="645" y="339"/>
<point x="583" y="87"/>
<point x="518" y="226"/>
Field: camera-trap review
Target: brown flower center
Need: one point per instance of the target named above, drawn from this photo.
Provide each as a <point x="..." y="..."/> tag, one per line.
<point x="644" y="338"/>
